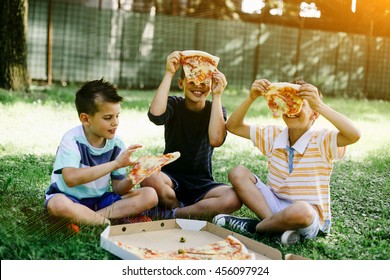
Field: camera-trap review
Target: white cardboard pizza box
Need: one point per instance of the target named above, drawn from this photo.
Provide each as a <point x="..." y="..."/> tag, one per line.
<point x="165" y="235"/>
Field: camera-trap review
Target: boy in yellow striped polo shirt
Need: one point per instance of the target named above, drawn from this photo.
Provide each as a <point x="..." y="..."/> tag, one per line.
<point x="296" y="199"/>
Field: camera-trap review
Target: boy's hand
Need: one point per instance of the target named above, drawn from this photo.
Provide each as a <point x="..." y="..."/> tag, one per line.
<point x="124" y="159"/>
<point x="218" y="82"/>
<point x="258" y="88"/>
<point x="173" y="62"/>
<point x="311" y="94"/>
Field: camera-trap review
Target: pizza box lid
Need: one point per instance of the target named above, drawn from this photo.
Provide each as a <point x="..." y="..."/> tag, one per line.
<point x="165" y="235"/>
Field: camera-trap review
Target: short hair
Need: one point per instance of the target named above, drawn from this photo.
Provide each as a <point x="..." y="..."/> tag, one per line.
<point x="300" y="81"/>
<point x="93" y="91"/>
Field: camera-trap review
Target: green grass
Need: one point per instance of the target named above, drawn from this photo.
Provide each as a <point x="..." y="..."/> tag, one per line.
<point x="32" y="125"/>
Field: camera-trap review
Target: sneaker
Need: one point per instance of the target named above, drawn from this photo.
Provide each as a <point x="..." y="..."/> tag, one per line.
<point x="159" y="213"/>
<point x="290" y="237"/>
<point x="245" y="225"/>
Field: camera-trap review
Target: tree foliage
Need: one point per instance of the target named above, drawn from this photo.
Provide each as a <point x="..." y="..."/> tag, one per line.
<point x="336" y="15"/>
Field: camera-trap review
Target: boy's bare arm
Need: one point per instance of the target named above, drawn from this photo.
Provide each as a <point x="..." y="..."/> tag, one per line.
<point x="348" y="132"/>
<point x="235" y="123"/>
<point x="217" y="129"/>
<point x="160" y="100"/>
<point x="77" y="176"/>
<point x="122" y="187"/>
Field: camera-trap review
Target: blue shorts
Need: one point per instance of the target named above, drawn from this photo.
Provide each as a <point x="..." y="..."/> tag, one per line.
<point x="94" y="203"/>
<point x="189" y="189"/>
<point x="277" y="204"/>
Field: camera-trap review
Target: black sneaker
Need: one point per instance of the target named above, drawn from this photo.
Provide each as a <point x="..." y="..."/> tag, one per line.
<point x="245" y="225"/>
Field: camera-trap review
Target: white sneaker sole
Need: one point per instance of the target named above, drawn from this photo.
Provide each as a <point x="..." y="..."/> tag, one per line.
<point x="290" y="237"/>
<point x="220" y="220"/>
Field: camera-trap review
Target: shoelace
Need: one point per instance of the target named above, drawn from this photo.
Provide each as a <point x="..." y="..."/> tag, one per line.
<point x="237" y="224"/>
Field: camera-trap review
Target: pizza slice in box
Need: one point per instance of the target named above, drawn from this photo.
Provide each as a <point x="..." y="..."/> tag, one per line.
<point x="282" y="98"/>
<point x="198" y="66"/>
<point x="229" y="248"/>
<point x="146" y="165"/>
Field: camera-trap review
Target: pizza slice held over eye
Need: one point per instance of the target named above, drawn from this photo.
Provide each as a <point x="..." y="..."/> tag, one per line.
<point x="146" y="165"/>
<point x="198" y="66"/>
<point x="282" y="98"/>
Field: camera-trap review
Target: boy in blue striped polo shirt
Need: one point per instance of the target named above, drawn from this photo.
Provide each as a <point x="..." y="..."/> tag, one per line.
<point x="88" y="182"/>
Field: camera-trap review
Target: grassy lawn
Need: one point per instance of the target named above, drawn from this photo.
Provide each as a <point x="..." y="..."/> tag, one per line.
<point x="32" y="125"/>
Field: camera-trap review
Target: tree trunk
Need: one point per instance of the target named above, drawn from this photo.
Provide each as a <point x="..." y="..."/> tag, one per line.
<point x="13" y="45"/>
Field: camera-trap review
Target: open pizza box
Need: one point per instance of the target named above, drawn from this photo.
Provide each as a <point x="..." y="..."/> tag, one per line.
<point x="165" y="235"/>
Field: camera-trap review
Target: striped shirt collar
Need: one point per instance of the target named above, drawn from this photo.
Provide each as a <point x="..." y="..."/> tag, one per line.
<point x="282" y="141"/>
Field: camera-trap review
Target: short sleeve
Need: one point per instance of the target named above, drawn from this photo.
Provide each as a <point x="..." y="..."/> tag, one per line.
<point x="172" y="103"/>
<point x="327" y="140"/>
<point x="68" y="154"/>
<point x="224" y="113"/>
<point x="263" y="137"/>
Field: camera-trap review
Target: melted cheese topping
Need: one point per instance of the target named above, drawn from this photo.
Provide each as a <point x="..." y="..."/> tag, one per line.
<point x="282" y="98"/>
<point x="198" y="68"/>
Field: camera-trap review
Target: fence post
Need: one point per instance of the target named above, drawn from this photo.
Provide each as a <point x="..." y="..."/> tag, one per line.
<point x="122" y="81"/>
<point x="257" y="54"/>
<point x="299" y="42"/>
<point x="196" y="35"/>
<point x="49" y="43"/>
<point x="368" y="59"/>
<point x="336" y="66"/>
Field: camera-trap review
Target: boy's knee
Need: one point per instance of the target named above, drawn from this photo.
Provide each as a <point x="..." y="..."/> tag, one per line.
<point x="303" y="213"/>
<point x="148" y="182"/>
<point x="150" y="196"/>
<point x="237" y="173"/>
<point x="236" y="204"/>
<point x="57" y="206"/>
<point x="154" y="181"/>
<point x="231" y="201"/>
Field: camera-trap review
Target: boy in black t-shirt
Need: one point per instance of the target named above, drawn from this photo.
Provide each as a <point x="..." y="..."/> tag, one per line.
<point x="193" y="126"/>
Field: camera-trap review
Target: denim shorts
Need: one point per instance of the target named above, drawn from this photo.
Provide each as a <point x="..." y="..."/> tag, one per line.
<point x="94" y="203"/>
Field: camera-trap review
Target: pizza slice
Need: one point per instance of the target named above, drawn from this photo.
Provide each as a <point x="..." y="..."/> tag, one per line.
<point x="146" y="165"/>
<point x="198" y="66"/>
<point x="143" y="253"/>
<point x="229" y="248"/>
<point x="282" y="98"/>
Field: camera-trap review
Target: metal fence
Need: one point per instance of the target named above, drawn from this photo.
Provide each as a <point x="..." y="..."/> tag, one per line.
<point x="130" y="49"/>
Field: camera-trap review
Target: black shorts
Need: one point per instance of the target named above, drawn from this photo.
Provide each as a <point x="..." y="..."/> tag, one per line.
<point x="190" y="189"/>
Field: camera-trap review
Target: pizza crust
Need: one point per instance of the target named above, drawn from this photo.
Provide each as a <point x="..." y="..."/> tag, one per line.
<point x="213" y="58"/>
<point x="276" y="86"/>
<point x="173" y="156"/>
